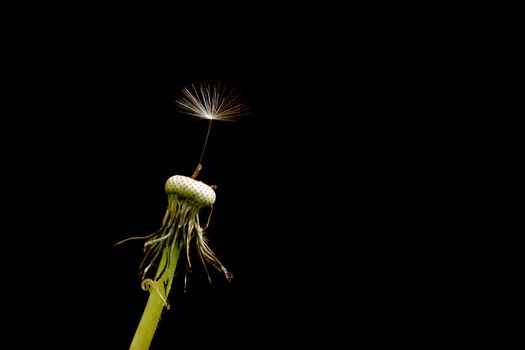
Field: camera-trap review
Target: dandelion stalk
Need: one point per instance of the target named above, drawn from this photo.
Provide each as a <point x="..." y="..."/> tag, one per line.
<point x="156" y="302"/>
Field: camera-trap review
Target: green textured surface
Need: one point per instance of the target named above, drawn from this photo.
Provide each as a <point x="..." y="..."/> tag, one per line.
<point x="190" y="189"/>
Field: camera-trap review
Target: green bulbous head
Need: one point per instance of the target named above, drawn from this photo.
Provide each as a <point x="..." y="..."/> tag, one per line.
<point x="191" y="190"/>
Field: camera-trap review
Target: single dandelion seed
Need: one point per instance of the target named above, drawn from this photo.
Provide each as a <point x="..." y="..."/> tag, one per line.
<point x="211" y="102"/>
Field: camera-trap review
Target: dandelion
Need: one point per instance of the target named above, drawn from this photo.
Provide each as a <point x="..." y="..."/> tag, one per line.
<point x="181" y="230"/>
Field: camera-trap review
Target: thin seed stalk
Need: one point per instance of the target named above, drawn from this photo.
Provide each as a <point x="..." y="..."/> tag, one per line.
<point x="156" y="302"/>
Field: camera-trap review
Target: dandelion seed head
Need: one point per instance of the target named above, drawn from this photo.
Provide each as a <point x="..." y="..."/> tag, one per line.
<point x="212" y="102"/>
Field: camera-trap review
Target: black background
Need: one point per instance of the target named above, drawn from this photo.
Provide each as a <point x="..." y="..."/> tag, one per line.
<point x="319" y="189"/>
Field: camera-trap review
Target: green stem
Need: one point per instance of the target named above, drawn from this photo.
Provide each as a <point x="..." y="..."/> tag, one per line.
<point x="156" y="302"/>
